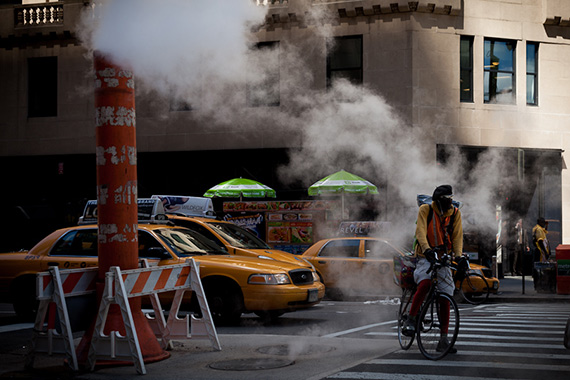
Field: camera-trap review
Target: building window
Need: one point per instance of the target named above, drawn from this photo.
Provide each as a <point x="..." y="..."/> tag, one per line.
<point x="42" y="87"/>
<point x="466" y="69"/>
<point x="500" y="71"/>
<point x="532" y="73"/>
<point x="344" y="59"/>
<point x="263" y="87"/>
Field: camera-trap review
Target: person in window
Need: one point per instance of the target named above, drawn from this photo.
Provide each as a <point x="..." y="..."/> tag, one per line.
<point x="438" y="225"/>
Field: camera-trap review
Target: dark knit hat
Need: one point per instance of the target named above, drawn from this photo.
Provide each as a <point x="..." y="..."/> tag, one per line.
<point x="443" y="190"/>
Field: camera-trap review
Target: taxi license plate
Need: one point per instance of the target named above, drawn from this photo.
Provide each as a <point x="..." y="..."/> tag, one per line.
<point x="313" y="295"/>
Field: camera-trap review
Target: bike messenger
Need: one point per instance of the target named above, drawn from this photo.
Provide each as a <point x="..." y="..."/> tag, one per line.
<point x="438" y="225"/>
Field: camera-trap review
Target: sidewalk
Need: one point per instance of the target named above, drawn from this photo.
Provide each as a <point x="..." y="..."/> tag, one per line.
<point x="511" y="291"/>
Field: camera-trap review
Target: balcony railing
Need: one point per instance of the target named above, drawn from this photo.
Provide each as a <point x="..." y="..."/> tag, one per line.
<point x="38" y="14"/>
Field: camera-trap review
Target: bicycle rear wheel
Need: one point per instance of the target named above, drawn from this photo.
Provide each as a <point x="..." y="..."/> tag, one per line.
<point x="429" y="327"/>
<point x="474" y="288"/>
<point x="403" y="313"/>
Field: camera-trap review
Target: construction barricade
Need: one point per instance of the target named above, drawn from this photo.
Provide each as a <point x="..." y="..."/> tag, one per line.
<point x="56" y="337"/>
<point x="52" y="289"/>
<point x="122" y="285"/>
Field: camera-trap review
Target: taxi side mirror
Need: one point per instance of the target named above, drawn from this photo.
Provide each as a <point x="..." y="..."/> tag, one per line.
<point x="159" y="253"/>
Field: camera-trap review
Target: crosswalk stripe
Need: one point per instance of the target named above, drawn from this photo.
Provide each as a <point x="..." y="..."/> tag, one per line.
<point x="528" y="328"/>
<point x="529" y="355"/>
<point x="531" y="322"/>
<point x="470" y="364"/>
<point x="512" y="345"/>
<point x="358" y="329"/>
<point x="488" y="343"/>
<point x="503" y="337"/>
<point x="404" y="376"/>
<point x="553" y="331"/>
<point x="468" y="336"/>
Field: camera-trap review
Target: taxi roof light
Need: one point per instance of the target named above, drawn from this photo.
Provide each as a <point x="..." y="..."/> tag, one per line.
<point x="187" y="206"/>
<point x="150" y="211"/>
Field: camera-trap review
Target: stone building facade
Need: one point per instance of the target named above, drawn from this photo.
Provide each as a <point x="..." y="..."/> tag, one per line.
<point x="483" y="80"/>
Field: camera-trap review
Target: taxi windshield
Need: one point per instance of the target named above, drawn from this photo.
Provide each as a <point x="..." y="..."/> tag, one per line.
<point x="187" y="243"/>
<point x="238" y="237"/>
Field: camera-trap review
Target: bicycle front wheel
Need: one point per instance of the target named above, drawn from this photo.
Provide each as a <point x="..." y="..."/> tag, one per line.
<point x="431" y="326"/>
<point x="474" y="288"/>
<point x="403" y="315"/>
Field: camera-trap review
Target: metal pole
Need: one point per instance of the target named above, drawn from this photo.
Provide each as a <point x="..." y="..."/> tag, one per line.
<point x="116" y="160"/>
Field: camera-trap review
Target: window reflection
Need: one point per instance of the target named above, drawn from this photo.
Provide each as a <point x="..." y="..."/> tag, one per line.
<point x="466" y="69"/>
<point x="187" y="243"/>
<point x="499" y="77"/>
<point x="531" y="73"/>
<point x="238" y="237"/>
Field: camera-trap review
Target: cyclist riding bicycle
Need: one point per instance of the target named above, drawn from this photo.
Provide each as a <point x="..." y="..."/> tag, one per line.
<point x="439" y="228"/>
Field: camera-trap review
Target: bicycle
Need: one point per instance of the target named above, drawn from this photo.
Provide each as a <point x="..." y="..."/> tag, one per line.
<point x="471" y="286"/>
<point x="428" y="325"/>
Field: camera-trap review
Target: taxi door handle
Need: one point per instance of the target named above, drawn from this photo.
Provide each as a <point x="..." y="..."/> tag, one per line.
<point x="322" y="262"/>
<point x="53" y="264"/>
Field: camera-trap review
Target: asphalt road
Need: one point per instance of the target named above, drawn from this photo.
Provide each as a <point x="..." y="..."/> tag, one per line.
<point x="287" y="348"/>
<point x="339" y="340"/>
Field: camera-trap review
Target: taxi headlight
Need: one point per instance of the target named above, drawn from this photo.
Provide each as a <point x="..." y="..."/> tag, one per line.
<point x="316" y="277"/>
<point x="269" y="279"/>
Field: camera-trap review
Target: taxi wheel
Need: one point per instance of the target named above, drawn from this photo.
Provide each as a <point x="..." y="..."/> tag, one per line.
<point x="225" y="302"/>
<point x="24" y="298"/>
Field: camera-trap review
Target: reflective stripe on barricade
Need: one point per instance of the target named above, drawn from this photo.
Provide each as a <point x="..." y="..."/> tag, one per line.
<point x="74" y="282"/>
<point x="122" y="285"/>
<point x="52" y="288"/>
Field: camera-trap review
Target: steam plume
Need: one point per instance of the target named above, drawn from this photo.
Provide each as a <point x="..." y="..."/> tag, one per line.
<point x="197" y="51"/>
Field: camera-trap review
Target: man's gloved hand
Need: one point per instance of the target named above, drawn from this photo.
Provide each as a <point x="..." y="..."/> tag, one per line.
<point x="430" y="255"/>
<point x="462" y="262"/>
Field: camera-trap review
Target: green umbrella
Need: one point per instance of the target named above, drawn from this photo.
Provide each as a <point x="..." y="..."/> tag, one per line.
<point x="342" y="182"/>
<point x="240" y="187"/>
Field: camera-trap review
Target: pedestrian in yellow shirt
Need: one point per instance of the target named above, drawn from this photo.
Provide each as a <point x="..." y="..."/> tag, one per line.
<point x="540" y="240"/>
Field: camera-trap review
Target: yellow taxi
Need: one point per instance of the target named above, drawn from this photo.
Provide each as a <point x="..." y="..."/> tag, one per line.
<point x="233" y="284"/>
<point x="364" y="266"/>
<point x="196" y="213"/>
<point x="354" y="266"/>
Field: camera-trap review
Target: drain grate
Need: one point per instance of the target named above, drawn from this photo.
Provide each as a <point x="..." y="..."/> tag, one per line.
<point x="251" y="364"/>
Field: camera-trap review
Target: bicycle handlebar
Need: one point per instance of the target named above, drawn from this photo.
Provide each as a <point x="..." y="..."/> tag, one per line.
<point x="444" y="261"/>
